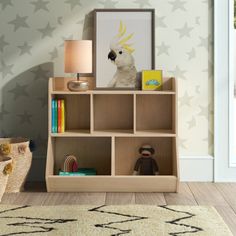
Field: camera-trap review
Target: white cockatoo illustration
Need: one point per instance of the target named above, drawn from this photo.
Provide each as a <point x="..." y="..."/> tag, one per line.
<point x="121" y="56"/>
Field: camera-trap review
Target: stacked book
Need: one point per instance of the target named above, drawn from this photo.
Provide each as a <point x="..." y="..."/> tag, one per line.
<point x="80" y="172"/>
<point x="58" y="115"/>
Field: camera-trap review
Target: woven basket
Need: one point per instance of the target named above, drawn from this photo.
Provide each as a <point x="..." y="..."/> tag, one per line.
<point x="4" y="161"/>
<point x="21" y="160"/>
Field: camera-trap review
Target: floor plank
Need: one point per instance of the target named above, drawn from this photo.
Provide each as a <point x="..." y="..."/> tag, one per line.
<point x="24" y="198"/>
<point x="183" y="197"/>
<point x="120" y="198"/>
<point x="228" y="216"/>
<point x="207" y="194"/>
<point x="228" y="191"/>
<point x="75" y="198"/>
<point x="150" y="198"/>
<point x="9" y="198"/>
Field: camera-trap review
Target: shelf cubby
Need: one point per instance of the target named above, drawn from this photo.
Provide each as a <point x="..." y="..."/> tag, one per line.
<point x="126" y="153"/>
<point x="88" y="152"/>
<point x="113" y="113"/>
<point x="77" y="114"/>
<point x="154" y="113"/>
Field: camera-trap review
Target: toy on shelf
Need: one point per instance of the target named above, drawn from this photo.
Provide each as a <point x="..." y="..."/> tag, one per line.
<point x="70" y="168"/>
<point x="146" y="164"/>
<point x="70" y="164"/>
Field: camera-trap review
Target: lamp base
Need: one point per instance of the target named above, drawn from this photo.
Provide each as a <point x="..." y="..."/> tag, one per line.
<point x="77" y="85"/>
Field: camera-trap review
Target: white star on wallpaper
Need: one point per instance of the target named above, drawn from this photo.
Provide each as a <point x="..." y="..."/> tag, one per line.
<point x="54" y="53"/>
<point x="191" y="54"/>
<point x="3" y="112"/>
<point x="204" y="111"/>
<point x="3" y="43"/>
<point x="142" y="3"/>
<point x="19" y="91"/>
<point x="204" y="42"/>
<point x="159" y="20"/>
<point x="108" y="3"/>
<point x="191" y="123"/>
<point x="40" y="73"/>
<point x="59" y="20"/>
<point x="178" y="5"/>
<point x="184" y="31"/>
<point x="182" y="142"/>
<point x="185" y="100"/>
<point x="5" y="3"/>
<point x="197" y="89"/>
<point x="163" y="49"/>
<point x="19" y="22"/>
<point x="43" y="100"/>
<point x="73" y="3"/>
<point x="6" y="69"/>
<point x="25" y="118"/>
<point x="47" y="31"/>
<point x="25" y="49"/>
<point x="197" y="20"/>
<point x="178" y="73"/>
<point x="40" y="5"/>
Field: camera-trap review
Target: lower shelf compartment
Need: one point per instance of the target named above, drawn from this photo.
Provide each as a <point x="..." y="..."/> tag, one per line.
<point x="162" y="183"/>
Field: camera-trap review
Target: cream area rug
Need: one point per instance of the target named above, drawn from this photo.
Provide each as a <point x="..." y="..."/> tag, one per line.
<point x="111" y="220"/>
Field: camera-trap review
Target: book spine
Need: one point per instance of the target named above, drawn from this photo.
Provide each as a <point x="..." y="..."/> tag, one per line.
<point x="56" y="117"/>
<point x="59" y="115"/>
<point x="52" y="114"/>
<point x="62" y="115"/>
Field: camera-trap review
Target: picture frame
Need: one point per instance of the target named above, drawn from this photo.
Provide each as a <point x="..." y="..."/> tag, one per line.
<point x="152" y="80"/>
<point x="124" y="45"/>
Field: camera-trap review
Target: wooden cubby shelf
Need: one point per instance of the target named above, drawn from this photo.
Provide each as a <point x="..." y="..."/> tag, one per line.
<point x="104" y="130"/>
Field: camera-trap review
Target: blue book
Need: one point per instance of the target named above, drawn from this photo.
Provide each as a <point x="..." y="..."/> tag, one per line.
<point x="53" y="118"/>
<point x="56" y="115"/>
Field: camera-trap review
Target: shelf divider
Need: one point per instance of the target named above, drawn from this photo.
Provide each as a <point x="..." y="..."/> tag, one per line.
<point x="113" y="161"/>
<point x="91" y="114"/>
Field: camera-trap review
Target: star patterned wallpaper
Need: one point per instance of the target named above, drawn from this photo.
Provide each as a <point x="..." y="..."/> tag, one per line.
<point x="32" y="33"/>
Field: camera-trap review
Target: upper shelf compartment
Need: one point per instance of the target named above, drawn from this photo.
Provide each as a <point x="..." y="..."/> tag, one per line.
<point x="77" y="115"/>
<point x="113" y="112"/>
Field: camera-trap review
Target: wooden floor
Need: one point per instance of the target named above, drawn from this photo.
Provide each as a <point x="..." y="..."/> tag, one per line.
<point x="220" y="195"/>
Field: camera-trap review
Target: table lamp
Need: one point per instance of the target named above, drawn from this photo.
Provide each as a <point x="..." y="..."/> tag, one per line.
<point x="78" y="59"/>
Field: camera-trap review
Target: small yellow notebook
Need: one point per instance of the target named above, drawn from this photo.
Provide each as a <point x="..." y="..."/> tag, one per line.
<point x="151" y="80"/>
<point x="62" y="116"/>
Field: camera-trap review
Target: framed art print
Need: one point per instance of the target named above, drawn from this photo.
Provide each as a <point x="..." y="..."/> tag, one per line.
<point x="124" y="46"/>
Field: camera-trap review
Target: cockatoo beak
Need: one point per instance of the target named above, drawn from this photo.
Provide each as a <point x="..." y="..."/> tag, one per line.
<point x="112" y="55"/>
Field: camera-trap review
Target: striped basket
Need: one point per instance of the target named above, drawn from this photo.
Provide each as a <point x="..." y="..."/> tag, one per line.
<point x="19" y="151"/>
<point x="5" y="170"/>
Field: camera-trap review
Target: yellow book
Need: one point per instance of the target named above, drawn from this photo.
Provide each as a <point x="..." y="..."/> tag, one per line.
<point x="152" y="80"/>
<point x="62" y="115"/>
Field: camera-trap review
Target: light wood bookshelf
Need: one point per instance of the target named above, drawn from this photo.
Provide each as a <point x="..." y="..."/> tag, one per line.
<point x="104" y="129"/>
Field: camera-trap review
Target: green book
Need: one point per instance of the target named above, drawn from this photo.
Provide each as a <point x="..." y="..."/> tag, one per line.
<point x="63" y="173"/>
<point x="80" y="172"/>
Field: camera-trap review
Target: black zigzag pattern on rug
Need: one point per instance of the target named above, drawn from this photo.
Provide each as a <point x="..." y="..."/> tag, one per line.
<point x="109" y="224"/>
<point x="32" y="222"/>
<point x="193" y="229"/>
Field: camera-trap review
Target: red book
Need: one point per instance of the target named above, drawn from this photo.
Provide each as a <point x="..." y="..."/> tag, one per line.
<point x="59" y="127"/>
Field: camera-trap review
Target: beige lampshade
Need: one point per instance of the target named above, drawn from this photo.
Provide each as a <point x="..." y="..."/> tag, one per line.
<point x="78" y="56"/>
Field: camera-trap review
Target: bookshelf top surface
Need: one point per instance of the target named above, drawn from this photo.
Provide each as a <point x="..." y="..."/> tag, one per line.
<point x="58" y="85"/>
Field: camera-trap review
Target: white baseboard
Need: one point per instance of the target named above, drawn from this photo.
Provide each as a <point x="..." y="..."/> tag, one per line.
<point x="196" y="168"/>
